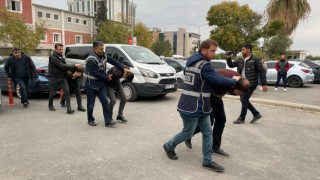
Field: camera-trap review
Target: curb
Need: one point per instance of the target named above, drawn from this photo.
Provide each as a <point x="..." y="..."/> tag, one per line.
<point x="278" y="104"/>
<point x="274" y="103"/>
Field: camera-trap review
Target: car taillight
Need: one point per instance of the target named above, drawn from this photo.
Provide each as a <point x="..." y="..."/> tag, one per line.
<point x="42" y="71"/>
<point x="305" y="70"/>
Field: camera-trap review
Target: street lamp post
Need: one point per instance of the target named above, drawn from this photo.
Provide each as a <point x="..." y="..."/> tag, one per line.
<point x="132" y="20"/>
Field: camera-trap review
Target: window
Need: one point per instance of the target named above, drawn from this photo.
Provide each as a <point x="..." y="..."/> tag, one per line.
<point x="88" y="6"/>
<point x="78" y="39"/>
<point x="83" y="7"/>
<point x="40" y="14"/>
<point x="44" y="38"/>
<point x="69" y="19"/>
<point x="14" y="5"/>
<point x="48" y="15"/>
<point x="218" y="65"/>
<point x="56" y="17"/>
<point x="271" y="65"/>
<point x="78" y="6"/>
<point x="70" y="8"/>
<point x="85" y="22"/>
<point x="78" y="21"/>
<point x="56" y="37"/>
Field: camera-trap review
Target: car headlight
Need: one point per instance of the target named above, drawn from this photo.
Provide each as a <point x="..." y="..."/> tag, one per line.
<point x="148" y="73"/>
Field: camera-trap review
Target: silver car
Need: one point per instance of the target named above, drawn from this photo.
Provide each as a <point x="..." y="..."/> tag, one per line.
<point x="298" y="74"/>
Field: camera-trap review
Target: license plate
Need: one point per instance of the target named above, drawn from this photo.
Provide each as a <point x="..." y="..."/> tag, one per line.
<point x="170" y="86"/>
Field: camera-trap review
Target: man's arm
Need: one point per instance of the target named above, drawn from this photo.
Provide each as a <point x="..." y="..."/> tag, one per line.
<point x="114" y="62"/>
<point x="287" y="67"/>
<point x="231" y="63"/>
<point x="277" y="66"/>
<point x="7" y="68"/>
<point x="261" y="71"/>
<point x="68" y="67"/>
<point x="93" y="70"/>
<point x="207" y="73"/>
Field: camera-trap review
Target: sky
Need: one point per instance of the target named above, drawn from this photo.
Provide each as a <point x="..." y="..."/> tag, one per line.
<point x="170" y="15"/>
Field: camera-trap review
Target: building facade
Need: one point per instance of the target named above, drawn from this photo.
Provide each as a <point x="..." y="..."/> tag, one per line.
<point x="116" y="9"/>
<point x="182" y="42"/>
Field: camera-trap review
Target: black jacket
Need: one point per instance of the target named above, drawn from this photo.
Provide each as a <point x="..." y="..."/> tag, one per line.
<point x="58" y="67"/>
<point x="10" y="67"/>
<point x="253" y="68"/>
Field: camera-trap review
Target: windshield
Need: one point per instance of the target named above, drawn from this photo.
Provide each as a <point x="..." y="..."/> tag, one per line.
<point x="142" y="55"/>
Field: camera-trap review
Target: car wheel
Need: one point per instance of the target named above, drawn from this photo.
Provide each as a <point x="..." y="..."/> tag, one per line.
<point x="130" y="91"/>
<point x="18" y="91"/>
<point x="294" y="81"/>
<point x="180" y="83"/>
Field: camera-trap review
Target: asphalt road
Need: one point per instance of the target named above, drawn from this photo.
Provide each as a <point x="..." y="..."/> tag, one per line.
<point x="36" y="143"/>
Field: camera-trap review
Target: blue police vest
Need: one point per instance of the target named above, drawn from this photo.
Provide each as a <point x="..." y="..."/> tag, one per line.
<point x="196" y="91"/>
<point x="92" y="81"/>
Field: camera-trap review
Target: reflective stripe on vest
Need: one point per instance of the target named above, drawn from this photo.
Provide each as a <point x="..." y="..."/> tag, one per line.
<point x="101" y="65"/>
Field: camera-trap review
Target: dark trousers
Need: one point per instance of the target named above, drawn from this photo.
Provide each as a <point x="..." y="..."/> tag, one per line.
<point x="74" y="86"/>
<point x="284" y="79"/>
<point x="112" y="96"/>
<point x="23" y="83"/>
<point x="91" y="97"/>
<point x="55" y="84"/>
<point x="246" y="104"/>
<point x="218" y="118"/>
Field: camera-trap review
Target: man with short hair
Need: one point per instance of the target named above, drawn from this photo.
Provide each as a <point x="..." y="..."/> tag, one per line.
<point x="57" y="75"/>
<point x="20" y="68"/>
<point x="282" y="67"/>
<point x="248" y="66"/>
<point x="96" y="77"/>
<point x="194" y="104"/>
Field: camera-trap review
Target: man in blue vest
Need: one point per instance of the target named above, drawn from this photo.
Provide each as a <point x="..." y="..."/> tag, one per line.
<point x="95" y="70"/>
<point x="194" y="104"/>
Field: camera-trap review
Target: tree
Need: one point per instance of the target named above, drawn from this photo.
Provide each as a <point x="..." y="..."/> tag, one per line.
<point x="313" y="57"/>
<point x="277" y="45"/>
<point x="291" y="12"/>
<point x="14" y="31"/>
<point x="113" y="32"/>
<point x="237" y="25"/>
<point x="162" y="48"/>
<point x="102" y="13"/>
<point x="143" y="35"/>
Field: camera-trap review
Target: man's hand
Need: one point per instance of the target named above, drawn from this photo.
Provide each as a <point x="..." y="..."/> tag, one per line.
<point x="229" y="53"/>
<point x="109" y="77"/>
<point x="76" y="74"/>
<point x="264" y="88"/>
<point x="236" y="77"/>
<point x="77" y="65"/>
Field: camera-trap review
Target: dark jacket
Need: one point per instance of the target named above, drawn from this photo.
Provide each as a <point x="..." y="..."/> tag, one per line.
<point x="220" y="91"/>
<point x="208" y="77"/>
<point x="282" y="67"/>
<point x="96" y="71"/>
<point x="58" y="67"/>
<point x="253" y="67"/>
<point x="10" y="67"/>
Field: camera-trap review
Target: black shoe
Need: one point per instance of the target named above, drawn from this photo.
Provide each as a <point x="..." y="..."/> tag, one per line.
<point x="81" y="108"/>
<point x="214" y="167"/>
<point x="92" y="123"/>
<point x="171" y="154"/>
<point x="188" y="143"/>
<point x="69" y="110"/>
<point x="51" y="108"/>
<point x="240" y="120"/>
<point x="63" y="105"/>
<point x="121" y="118"/>
<point x="109" y="124"/>
<point x="255" y="118"/>
<point x="220" y="152"/>
<point x="25" y="104"/>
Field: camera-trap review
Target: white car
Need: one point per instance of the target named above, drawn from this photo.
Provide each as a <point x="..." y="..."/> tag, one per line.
<point x="221" y="64"/>
<point x="179" y="68"/>
<point x="298" y="74"/>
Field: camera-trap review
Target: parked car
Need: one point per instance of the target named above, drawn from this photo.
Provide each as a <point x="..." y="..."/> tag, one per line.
<point x="221" y="64"/>
<point x="41" y="85"/>
<point x="298" y="74"/>
<point x="152" y="77"/>
<point x="179" y="68"/>
<point x="0" y="97"/>
<point x="315" y="66"/>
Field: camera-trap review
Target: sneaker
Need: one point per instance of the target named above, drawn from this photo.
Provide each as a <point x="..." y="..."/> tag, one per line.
<point x="25" y="104"/>
<point x="109" y="124"/>
<point x="188" y="143"/>
<point x="220" y="152"/>
<point x="276" y="89"/>
<point x="240" y="120"/>
<point x="255" y="118"/>
<point x="214" y="167"/>
<point x="171" y="154"/>
<point x="92" y="123"/>
<point x="81" y="108"/>
<point x="51" y="108"/>
<point x="285" y="90"/>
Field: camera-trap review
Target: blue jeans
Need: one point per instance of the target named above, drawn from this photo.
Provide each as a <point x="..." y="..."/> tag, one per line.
<point x="91" y="98"/>
<point x="284" y="79"/>
<point x="246" y="104"/>
<point x="189" y="125"/>
<point x="23" y="83"/>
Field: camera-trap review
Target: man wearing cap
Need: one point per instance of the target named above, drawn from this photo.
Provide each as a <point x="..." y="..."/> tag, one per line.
<point x="20" y="68"/>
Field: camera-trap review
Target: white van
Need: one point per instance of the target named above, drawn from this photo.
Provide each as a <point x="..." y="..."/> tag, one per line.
<point x="152" y="77"/>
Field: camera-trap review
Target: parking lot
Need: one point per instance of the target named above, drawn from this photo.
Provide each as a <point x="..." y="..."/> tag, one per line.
<point x="39" y="144"/>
